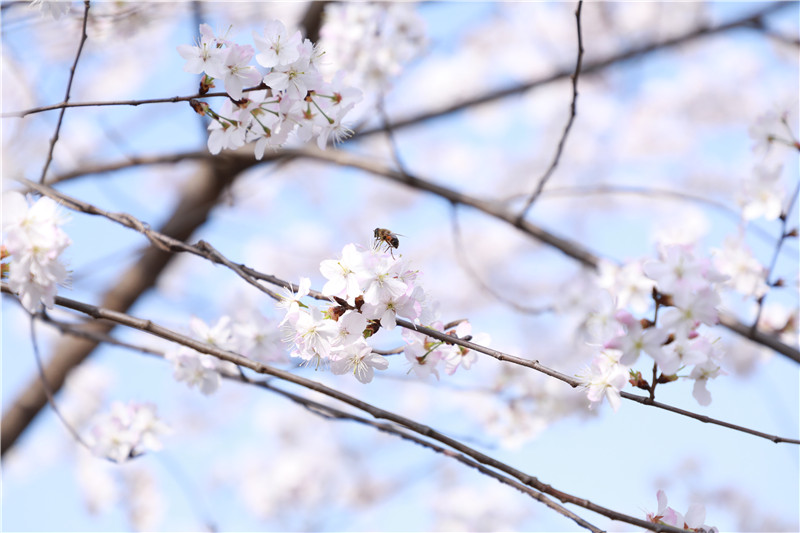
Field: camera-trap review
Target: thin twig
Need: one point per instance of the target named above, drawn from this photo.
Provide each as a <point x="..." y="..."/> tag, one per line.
<point x="572" y="112"/>
<point x="53" y="141"/>
<point x="48" y="390"/>
<point x="784" y="235"/>
<point x="133" y="103"/>
<point x="463" y="260"/>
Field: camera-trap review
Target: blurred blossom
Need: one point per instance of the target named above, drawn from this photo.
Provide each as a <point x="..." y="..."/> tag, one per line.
<point x="127" y="431"/>
<point x="762" y="194"/>
<point x="746" y="274"/>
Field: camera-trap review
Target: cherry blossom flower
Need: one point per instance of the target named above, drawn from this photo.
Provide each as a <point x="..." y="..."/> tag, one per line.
<point x="299" y="99"/>
<point x="206" y="56"/>
<point x="344" y="275"/>
<point x="196" y="369"/>
<point x="681" y="352"/>
<point x="359" y="359"/>
<point x="605" y="378"/>
<point x="256" y="338"/>
<point x="693" y="520"/>
<point x="690" y="310"/>
<point x="238" y="73"/>
<point x="677" y="271"/>
<point x="290" y="301"/>
<point x="458" y="355"/>
<point x="351" y="328"/>
<point x="34" y="240"/>
<point x="637" y="339"/>
<point x="313" y="335"/>
<point x="701" y="374"/>
<point x="276" y="47"/>
<point x="372" y="42"/>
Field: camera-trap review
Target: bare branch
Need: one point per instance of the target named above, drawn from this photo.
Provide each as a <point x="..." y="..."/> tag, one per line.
<point x="572" y="111"/>
<point x="54" y="140"/>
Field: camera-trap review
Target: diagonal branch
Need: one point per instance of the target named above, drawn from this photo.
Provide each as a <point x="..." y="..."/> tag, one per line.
<point x="206" y="251"/>
<point x="150" y="327"/>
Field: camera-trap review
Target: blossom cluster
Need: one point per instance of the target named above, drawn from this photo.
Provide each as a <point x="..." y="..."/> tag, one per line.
<point x="372" y="41"/>
<point x="692" y="520"/>
<point x="34" y="241"/>
<point x="685" y="289"/>
<point x="369" y="290"/>
<point x="250" y="337"/>
<point x="127" y="431"/>
<point x="291" y="96"/>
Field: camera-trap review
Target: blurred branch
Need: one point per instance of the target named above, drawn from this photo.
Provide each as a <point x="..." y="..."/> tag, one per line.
<point x="54" y="140"/>
<point x="785" y="234"/>
<point x="572" y="111"/>
<point x="313" y="18"/>
<point x="463" y="260"/>
<point x="745" y="22"/>
<point x="376" y="412"/>
<point x="656" y="192"/>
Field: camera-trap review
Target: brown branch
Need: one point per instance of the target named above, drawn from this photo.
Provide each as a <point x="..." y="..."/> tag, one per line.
<point x="54" y="140"/>
<point x="572" y="112"/>
<point x="331" y="413"/>
<point x="202" y="250"/>
<point x="376" y="412"/>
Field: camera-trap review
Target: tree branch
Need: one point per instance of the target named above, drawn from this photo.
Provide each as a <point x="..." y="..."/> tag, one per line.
<point x="376" y="412"/>
<point x="572" y="111"/>
<point x="202" y="250"/>
<point x="54" y="140"/>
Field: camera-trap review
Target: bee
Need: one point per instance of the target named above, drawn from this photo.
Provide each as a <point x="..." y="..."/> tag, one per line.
<point x="387" y="238"/>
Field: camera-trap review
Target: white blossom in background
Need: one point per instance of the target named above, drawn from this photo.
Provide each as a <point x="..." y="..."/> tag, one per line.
<point x="762" y="194"/>
<point x="144" y="500"/>
<point x="770" y="127"/>
<point x="258" y="338"/>
<point x="746" y="273"/>
<point x="470" y="508"/>
<point x="96" y="482"/>
<point x="371" y="42"/>
<point x="605" y="378"/>
<point x="196" y="369"/>
<point x="34" y="240"/>
<point x="56" y="9"/>
<point x="127" y="431"/>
